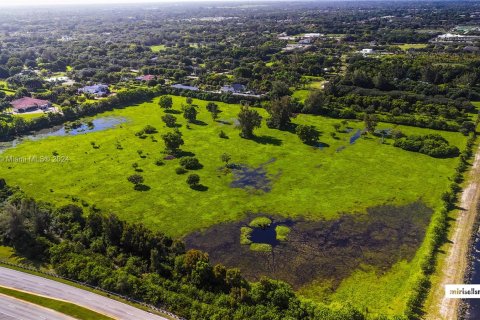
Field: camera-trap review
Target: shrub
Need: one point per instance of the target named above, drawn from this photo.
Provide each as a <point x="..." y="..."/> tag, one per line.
<point x="150" y="129"/>
<point x="136" y="179"/>
<point x="181" y="170"/>
<point x="193" y="180"/>
<point x="159" y="162"/>
<point x="260" y="222"/>
<point x="190" y="163"/>
<point x="308" y="134"/>
<point x="282" y="233"/>
<point x="245" y="235"/>
<point x="223" y="135"/>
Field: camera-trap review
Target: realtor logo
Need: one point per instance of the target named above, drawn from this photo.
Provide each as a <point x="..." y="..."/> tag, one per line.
<point x="462" y="291"/>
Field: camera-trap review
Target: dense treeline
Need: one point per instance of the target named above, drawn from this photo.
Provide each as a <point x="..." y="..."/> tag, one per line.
<point x="398" y="107"/>
<point x="131" y="260"/>
<point x="433" y="145"/>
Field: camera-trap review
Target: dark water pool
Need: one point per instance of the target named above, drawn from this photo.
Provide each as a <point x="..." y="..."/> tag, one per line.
<point x="269" y="235"/>
<point x="84" y="127"/>
<point x="254" y="178"/>
<point x="98" y="124"/>
<point x="264" y="235"/>
<point x="355" y="136"/>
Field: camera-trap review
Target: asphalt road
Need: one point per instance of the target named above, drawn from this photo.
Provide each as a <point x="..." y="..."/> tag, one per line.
<point x="14" y="309"/>
<point x="57" y="290"/>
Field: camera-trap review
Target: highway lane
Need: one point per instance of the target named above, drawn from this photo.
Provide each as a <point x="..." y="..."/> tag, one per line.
<point x="14" y="309"/>
<point x="57" y="290"/>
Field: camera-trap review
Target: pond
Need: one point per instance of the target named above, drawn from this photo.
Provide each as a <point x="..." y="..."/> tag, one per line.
<point x="324" y="249"/>
<point x="268" y="234"/>
<point x="82" y="127"/>
<point x="356" y="136"/>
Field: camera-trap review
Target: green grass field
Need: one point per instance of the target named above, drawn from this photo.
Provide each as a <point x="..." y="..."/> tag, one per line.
<point x="4" y="87"/>
<point x="30" y="116"/>
<point x="66" y="308"/>
<point x="307" y="182"/>
<point x="8" y="254"/>
<point x="407" y="46"/>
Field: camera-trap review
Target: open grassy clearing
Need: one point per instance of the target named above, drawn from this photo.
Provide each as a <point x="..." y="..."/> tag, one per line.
<point x="4" y="87"/>
<point x="8" y="254"/>
<point x="306" y="181"/>
<point x="66" y="308"/>
<point x="301" y="94"/>
<point x="29" y="116"/>
<point x="158" y="48"/>
<point x="407" y="46"/>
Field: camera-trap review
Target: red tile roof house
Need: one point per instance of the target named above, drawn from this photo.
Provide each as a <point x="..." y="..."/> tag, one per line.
<point x="27" y="104"/>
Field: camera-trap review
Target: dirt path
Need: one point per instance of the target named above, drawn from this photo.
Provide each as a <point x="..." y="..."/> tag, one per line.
<point x="456" y="260"/>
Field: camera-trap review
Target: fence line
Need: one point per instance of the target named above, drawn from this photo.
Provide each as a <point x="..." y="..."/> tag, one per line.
<point x="129" y="299"/>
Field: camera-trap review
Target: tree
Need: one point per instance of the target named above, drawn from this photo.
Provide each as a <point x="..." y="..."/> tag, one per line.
<point x="226" y="158"/>
<point x="336" y="126"/>
<point x="173" y="141"/>
<point x="189" y="100"/>
<point x="467" y="127"/>
<point x="314" y="102"/>
<point x="279" y="89"/>
<point x="213" y="109"/>
<point x="308" y="134"/>
<point x="190" y="163"/>
<point x="370" y="122"/>
<point x="21" y="92"/>
<point x="190" y="113"/>
<point x="193" y="180"/>
<point x="170" y="121"/>
<point x="249" y="119"/>
<point x="280" y="111"/>
<point x="136" y="179"/>
<point x="165" y="102"/>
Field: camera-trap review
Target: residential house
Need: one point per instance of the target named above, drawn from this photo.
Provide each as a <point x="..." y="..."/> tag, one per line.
<point x="184" y="87"/>
<point x="27" y="104"/>
<point x="234" y="88"/>
<point x="98" y="90"/>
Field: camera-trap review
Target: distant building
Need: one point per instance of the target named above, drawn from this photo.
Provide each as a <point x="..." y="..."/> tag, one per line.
<point x="296" y="46"/>
<point x="99" y="90"/>
<point x="184" y="87"/>
<point x="306" y="41"/>
<point x="366" y="52"/>
<point x="312" y="35"/>
<point x="147" y="77"/>
<point x="58" y="79"/>
<point x="27" y="104"/>
<point x="456" y="38"/>
<point x="234" y="88"/>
